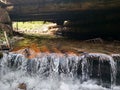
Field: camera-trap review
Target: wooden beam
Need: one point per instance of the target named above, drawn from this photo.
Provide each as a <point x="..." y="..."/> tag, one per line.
<point x="6" y="37"/>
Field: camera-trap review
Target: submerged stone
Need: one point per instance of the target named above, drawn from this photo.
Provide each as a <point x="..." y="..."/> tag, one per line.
<point x="22" y="86"/>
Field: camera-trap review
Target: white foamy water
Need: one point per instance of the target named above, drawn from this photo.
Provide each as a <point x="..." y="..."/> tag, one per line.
<point x="11" y="81"/>
<point x="49" y="72"/>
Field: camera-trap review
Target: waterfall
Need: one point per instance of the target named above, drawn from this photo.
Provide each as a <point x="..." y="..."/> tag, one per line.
<point x="85" y="68"/>
<point x="104" y="57"/>
<point x="60" y="66"/>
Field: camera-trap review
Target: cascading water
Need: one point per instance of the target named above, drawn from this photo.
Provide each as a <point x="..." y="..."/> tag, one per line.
<point x="102" y="58"/>
<point x="56" y="71"/>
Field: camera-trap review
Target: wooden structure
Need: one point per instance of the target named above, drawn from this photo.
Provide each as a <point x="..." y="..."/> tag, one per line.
<point x="6" y="46"/>
<point x="93" y="13"/>
<point x="56" y="10"/>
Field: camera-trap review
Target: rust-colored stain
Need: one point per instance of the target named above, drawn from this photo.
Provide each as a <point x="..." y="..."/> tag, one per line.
<point x="31" y="46"/>
<point x="30" y="51"/>
<point x="44" y="49"/>
<point x="55" y="50"/>
<point x="70" y="52"/>
<point x="17" y="48"/>
<point x="33" y="50"/>
<point x="32" y="54"/>
<point x="35" y="47"/>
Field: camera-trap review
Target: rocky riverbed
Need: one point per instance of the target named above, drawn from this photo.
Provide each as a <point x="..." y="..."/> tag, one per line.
<point x="52" y="43"/>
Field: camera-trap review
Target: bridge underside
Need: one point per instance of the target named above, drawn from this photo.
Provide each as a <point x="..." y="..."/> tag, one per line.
<point x="98" y="16"/>
<point x="87" y="16"/>
<point x="54" y="10"/>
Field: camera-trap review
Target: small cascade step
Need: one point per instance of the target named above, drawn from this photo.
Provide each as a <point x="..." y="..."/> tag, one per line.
<point x="104" y="68"/>
<point x="4" y="47"/>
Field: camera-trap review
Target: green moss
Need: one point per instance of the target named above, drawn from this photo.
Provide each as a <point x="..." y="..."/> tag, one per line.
<point x="2" y="37"/>
<point x="29" y="25"/>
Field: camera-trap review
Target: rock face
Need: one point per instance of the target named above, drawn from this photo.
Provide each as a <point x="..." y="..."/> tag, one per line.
<point x="5" y="22"/>
<point x="4" y="17"/>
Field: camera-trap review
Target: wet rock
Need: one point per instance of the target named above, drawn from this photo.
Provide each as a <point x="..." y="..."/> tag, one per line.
<point x="4" y="47"/>
<point x="6" y="27"/>
<point x="1" y="55"/>
<point x="22" y="86"/>
<point x="27" y="52"/>
<point x="98" y="66"/>
<point x="95" y="41"/>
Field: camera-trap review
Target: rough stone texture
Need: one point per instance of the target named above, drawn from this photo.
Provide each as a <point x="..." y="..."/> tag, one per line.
<point x="4" y="16"/>
<point x="5" y="22"/>
<point x="6" y="27"/>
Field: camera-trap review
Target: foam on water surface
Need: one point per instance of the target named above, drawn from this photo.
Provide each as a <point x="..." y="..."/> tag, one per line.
<point x="50" y="72"/>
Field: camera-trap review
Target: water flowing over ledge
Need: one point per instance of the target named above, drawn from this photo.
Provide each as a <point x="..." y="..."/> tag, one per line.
<point x="52" y="71"/>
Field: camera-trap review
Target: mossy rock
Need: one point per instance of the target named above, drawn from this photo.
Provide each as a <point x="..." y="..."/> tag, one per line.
<point x="1" y="55"/>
